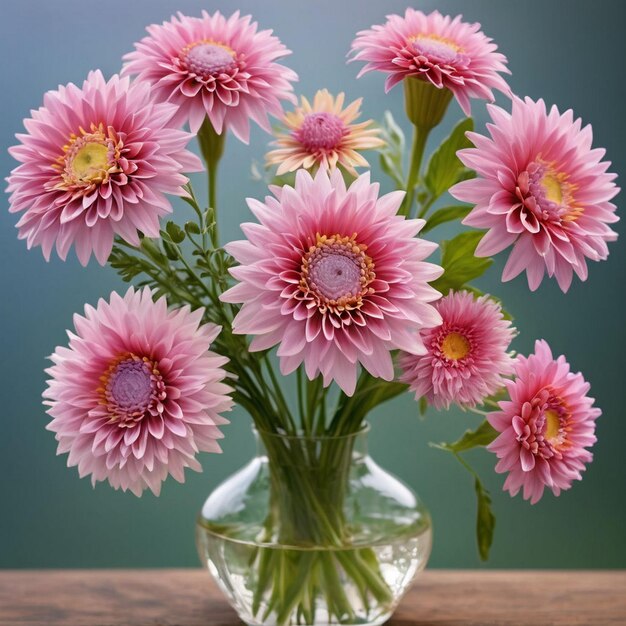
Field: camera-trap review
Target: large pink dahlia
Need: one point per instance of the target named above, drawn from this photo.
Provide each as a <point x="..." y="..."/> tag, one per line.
<point x="137" y="394"/>
<point x="334" y="277"/>
<point x="544" y="427"/>
<point x="541" y="188"/>
<point x="211" y="65"/>
<point x="97" y="162"/>
<point x="446" y="52"/>
<point x="467" y="355"/>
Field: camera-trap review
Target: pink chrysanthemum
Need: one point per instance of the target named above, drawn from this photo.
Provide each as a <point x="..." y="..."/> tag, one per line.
<point x="323" y="135"/>
<point x="97" y="162"/>
<point x="137" y="394"/>
<point x="446" y="52"/>
<point x="542" y="189"/>
<point x="544" y="427"/>
<point x="334" y="277"/>
<point x="466" y="355"/>
<point x="214" y="66"/>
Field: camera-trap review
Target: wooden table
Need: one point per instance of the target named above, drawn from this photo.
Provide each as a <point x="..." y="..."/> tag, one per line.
<point x="189" y="598"/>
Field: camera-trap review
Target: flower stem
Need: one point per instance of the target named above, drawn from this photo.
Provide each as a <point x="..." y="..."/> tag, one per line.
<point x="420" y="136"/>
<point x="212" y="148"/>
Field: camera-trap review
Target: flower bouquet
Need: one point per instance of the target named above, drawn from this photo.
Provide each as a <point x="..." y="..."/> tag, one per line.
<point x="331" y="284"/>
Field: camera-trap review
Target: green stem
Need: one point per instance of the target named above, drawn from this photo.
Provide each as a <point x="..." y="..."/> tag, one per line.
<point x="420" y="136"/>
<point x="212" y="148"/>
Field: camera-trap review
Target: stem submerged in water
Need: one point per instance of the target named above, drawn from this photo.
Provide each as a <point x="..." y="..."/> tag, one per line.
<point x="309" y="480"/>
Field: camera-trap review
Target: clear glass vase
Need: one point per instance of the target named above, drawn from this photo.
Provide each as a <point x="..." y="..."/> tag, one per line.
<point x="313" y="531"/>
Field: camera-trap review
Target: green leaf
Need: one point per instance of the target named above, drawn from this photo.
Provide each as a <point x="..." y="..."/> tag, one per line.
<point x="485" y="520"/>
<point x="447" y="214"/>
<point x="482" y="436"/>
<point x="191" y="228"/>
<point x="392" y="153"/>
<point x="459" y="262"/>
<point x="170" y="250"/>
<point x="444" y="167"/>
<point x="175" y="232"/>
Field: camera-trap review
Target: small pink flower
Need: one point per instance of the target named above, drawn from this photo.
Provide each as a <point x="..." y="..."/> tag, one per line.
<point x="544" y="427"/>
<point x="334" y="277"/>
<point x="211" y="65"/>
<point x="323" y="134"/>
<point x="137" y="394"/>
<point x="97" y="162"/>
<point x="542" y="189"/>
<point x="466" y="357"/>
<point x="446" y="52"/>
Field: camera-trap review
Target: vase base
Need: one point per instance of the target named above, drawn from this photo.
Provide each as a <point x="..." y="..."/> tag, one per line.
<point x="282" y="586"/>
<point x="321" y="621"/>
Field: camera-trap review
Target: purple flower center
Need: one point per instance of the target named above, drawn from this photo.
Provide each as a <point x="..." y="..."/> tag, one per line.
<point x="133" y="387"/>
<point x="438" y="50"/>
<point x="320" y="131"/>
<point x="209" y="59"/>
<point x="337" y="273"/>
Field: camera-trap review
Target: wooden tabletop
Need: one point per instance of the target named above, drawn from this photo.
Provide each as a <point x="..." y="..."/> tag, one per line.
<point x="190" y="598"/>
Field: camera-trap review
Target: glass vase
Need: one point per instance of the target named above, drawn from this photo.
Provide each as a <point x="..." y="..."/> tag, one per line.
<point x="313" y="531"/>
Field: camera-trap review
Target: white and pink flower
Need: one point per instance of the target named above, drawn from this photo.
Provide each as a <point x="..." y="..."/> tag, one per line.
<point x="446" y="52"/>
<point x="223" y="68"/>
<point x="137" y="394"/>
<point x="546" y="426"/>
<point x="97" y="161"/>
<point x="467" y="356"/>
<point x="542" y="189"/>
<point x="334" y="277"/>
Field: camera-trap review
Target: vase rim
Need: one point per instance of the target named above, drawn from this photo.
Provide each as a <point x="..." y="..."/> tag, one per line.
<point x="364" y="430"/>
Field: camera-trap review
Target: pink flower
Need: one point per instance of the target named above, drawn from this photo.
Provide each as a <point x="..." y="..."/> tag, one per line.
<point x="97" y="162"/>
<point x="446" y="52"/>
<point x="466" y="356"/>
<point x="334" y="277"/>
<point x="323" y="134"/>
<point x="542" y="189"/>
<point x="210" y="65"/>
<point x="545" y="426"/>
<point x="137" y="394"/>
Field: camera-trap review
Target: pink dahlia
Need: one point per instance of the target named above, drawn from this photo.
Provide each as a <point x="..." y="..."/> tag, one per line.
<point x="97" y="162"/>
<point x="137" y="394"/>
<point x="467" y="355"/>
<point x="446" y="52"/>
<point x="334" y="277"/>
<point x="544" y="427"/>
<point x="211" y="65"/>
<point x="542" y="189"/>
<point x="323" y="134"/>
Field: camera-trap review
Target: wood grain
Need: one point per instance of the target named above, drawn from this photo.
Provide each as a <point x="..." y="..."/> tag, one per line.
<point x="190" y="598"/>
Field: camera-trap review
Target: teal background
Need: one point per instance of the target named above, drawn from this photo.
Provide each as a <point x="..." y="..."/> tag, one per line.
<point x="570" y="53"/>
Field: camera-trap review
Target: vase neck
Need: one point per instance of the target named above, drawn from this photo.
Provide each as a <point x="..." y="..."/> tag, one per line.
<point x="356" y="442"/>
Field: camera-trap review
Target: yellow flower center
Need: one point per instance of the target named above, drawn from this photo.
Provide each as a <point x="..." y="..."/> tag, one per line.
<point x="554" y="192"/>
<point x="552" y="186"/>
<point x="89" y="158"/>
<point x="553" y="424"/>
<point x="455" y="346"/>
<point x="90" y="161"/>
